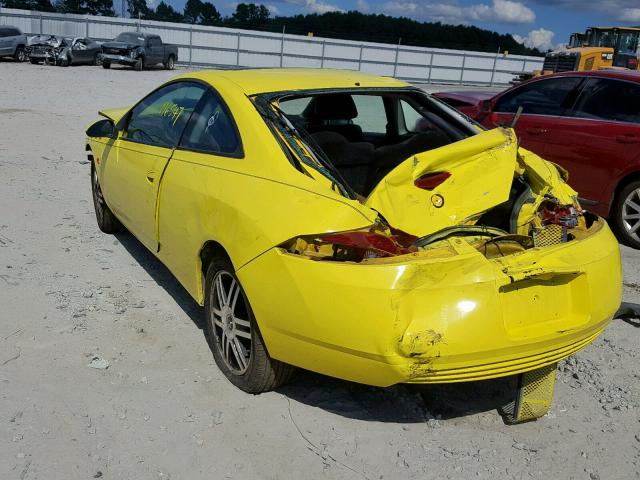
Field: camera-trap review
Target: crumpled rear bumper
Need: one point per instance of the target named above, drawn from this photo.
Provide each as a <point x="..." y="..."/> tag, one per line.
<point x="435" y="320"/>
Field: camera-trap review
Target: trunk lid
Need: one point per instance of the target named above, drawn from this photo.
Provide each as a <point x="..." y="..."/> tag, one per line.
<point x="481" y="170"/>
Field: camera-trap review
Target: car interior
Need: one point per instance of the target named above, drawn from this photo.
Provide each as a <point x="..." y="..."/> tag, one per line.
<point x="366" y="135"/>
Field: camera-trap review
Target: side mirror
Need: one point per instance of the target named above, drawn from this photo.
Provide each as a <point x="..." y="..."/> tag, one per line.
<point x="485" y="106"/>
<point x="102" y="128"/>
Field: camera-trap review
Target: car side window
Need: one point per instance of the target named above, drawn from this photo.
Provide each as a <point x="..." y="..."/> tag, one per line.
<point x="609" y="99"/>
<point x="552" y="96"/>
<point x="4" y="32"/>
<point x="160" y="118"/>
<point x="372" y="116"/>
<point x="212" y="129"/>
<point x="414" y="121"/>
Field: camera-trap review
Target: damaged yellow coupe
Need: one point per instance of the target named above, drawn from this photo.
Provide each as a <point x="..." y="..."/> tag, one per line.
<point x="355" y="226"/>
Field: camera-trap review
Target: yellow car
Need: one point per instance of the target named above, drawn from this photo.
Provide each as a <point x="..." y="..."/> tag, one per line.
<point x="355" y="226"/>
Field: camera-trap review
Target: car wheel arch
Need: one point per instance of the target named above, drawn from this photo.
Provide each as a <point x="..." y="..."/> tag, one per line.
<point x="625" y="180"/>
<point x="210" y="250"/>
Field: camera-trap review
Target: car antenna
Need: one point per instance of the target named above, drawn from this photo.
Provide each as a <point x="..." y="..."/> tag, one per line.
<point x="516" y="117"/>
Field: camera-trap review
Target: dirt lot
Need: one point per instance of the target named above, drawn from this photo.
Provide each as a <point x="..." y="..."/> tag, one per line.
<point x="162" y="410"/>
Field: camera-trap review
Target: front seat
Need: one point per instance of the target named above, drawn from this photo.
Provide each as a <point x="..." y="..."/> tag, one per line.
<point x="352" y="159"/>
<point x="334" y="113"/>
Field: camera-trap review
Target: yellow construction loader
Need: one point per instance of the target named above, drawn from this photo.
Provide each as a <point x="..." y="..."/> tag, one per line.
<point x="597" y="49"/>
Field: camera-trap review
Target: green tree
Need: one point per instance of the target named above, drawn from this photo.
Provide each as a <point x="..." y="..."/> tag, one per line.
<point x="39" y="5"/>
<point x="193" y="11"/>
<point x="138" y="8"/>
<point x="86" y="7"/>
<point x="203" y="13"/>
<point x="165" y="13"/>
<point x="210" y="15"/>
<point x="250" y="15"/>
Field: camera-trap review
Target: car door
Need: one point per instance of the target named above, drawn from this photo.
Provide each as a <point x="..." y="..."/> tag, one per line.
<point x="543" y="102"/>
<point x="155" y="49"/>
<point x="93" y="49"/>
<point x="210" y="149"/>
<point x="145" y="144"/>
<point x="5" y="41"/>
<point x="80" y="51"/>
<point x="600" y="139"/>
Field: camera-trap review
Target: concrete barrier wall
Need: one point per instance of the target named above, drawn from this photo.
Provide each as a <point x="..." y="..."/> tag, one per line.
<point x="229" y="48"/>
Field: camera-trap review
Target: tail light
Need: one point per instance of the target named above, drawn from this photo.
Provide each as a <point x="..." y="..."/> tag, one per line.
<point x="431" y="180"/>
<point x="353" y="246"/>
<point x="371" y="245"/>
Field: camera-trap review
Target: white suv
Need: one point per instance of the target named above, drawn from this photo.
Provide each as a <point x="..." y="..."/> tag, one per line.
<point x="12" y="43"/>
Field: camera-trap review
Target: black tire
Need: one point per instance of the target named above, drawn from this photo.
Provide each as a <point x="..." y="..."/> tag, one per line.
<point x="625" y="216"/>
<point x="170" y="64"/>
<point x="34" y="61"/>
<point x="64" y="62"/>
<point x="139" y="65"/>
<point x="97" y="60"/>
<point x="107" y="221"/>
<point x="259" y="372"/>
<point x="106" y="64"/>
<point x="20" y="55"/>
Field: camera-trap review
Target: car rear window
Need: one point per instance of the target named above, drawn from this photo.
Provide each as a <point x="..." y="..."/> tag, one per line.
<point x="609" y="99"/>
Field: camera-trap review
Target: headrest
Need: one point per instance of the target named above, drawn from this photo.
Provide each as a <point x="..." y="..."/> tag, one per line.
<point x="335" y="106"/>
<point x="325" y="137"/>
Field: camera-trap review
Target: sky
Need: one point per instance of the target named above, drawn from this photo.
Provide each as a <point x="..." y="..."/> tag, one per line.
<point x="542" y="24"/>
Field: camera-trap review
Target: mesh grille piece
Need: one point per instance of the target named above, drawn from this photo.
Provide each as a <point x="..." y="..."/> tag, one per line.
<point x="549" y="235"/>
<point x="534" y="395"/>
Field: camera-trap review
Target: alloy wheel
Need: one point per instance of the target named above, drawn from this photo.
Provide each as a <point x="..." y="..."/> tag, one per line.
<point x="230" y="322"/>
<point x="631" y="214"/>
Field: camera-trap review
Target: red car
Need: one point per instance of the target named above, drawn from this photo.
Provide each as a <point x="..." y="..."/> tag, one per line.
<point x="587" y="122"/>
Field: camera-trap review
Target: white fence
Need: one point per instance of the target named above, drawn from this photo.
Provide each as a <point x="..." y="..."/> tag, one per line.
<point x="231" y="48"/>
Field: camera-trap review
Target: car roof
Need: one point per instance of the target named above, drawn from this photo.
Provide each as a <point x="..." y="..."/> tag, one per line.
<point x="622" y="74"/>
<point x="142" y="34"/>
<point x="265" y="80"/>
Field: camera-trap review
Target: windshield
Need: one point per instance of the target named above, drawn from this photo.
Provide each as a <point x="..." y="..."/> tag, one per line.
<point x="627" y="42"/>
<point x="576" y="40"/>
<point x="356" y="137"/>
<point x="621" y="41"/>
<point x="130" y="37"/>
<point x="602" y="38"/>
<point x="42" y="38"/>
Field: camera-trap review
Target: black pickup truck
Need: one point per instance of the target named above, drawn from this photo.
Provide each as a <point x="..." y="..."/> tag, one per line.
<point x="139" y="50"/>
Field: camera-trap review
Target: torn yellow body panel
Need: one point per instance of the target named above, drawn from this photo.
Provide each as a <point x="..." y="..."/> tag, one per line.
<point x="466" y="192"/>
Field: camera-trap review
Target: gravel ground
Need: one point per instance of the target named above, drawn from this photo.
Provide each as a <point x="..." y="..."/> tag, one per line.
<point x="71" y="297"/>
